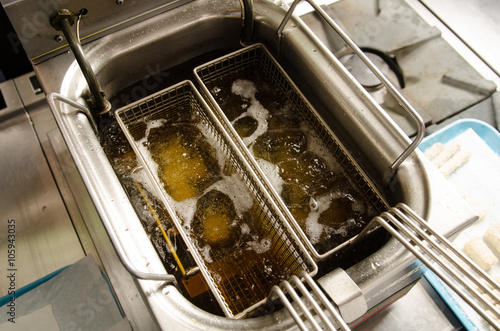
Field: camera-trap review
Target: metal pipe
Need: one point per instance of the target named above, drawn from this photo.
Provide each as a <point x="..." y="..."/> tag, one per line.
<point x="63" y="21"/>
<point x="247" y="20"/>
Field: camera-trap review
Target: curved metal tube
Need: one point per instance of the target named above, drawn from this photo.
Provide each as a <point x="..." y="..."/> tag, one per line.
<point x="115" y="240"/>
<point x="247" y="11"/>
<point x="100" y="103"/>
<point x="453" y="267"/>
<point x="390" y="87"/>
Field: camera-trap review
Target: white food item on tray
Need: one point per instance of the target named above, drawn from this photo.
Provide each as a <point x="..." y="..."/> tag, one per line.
<point x="434" y="151"/>
<point x="449" y="150"/>
<point x="455" y="162"/>
<point x="492" y="238"/>
<point x="479" y="252"/>
<point x="447" y="158"/>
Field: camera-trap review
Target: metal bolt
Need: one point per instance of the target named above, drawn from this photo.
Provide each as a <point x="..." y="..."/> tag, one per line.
<point x="63" y="14"/>
<point x="120" y="2"/>
<point x="58" y="38"/>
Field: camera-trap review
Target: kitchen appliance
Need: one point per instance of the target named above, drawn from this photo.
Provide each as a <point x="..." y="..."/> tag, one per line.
<point x="135" y="52"/>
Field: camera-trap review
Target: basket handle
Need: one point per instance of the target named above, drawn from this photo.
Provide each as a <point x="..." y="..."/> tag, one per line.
<point x="454" y="268"/>
<point x="390" y="87"/>
<point x="114" y="238"/>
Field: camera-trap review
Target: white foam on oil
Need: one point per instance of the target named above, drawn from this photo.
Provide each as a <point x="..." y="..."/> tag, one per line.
<point x="313" y="228"/>
<point x="261" y="114"/>
<point x="237" y="190"/>
<point x="212" y="140"/>
<point x="316" y="145"/>
<point x="244" y="88"/>
<point x="262" y="246"/>
<point x="205" y="253"/>
<point x="271" y="171"/>
<point x="245" y="229"/>
<point x="184" y="209"/>
<point x="233" y="186"/>
<point x="247" y="89"/>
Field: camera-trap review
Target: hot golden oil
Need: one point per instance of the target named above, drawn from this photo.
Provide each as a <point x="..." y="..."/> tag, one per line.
<point x="229" y="225"/>
<point x="241" y="250"/>
<point x="328" y="207"/>
<point x="187" y="165"/>
<point x="244" y="253"/>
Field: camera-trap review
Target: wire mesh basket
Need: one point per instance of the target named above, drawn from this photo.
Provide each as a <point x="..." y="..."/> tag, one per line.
<point x="233" y="228"/>
<point x="225" y="83"/>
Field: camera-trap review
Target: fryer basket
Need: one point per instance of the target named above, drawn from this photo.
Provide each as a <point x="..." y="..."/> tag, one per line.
<point x="257" y="59"/>
<point x="225" y="274"/>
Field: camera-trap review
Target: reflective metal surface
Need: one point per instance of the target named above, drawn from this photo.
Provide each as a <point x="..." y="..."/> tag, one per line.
<point x="36" y="235"/>
<point x="482" y="34"/>
<point x="143" y="53"/>
<point x="317" y="73"/>
<point x="41" y="41"/>
<point x="439" y="81"/>
<point x="92" y="236"/>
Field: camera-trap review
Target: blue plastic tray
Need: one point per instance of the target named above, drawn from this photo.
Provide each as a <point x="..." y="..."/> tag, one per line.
<point x="488" y="133"/>
<point x="6" y="299"/>
<point x="492" y="138"/>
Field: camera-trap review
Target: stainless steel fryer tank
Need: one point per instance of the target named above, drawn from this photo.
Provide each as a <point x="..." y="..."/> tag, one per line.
<point x="146" y="51"/>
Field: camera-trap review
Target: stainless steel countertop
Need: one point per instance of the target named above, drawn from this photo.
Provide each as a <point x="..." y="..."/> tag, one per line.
<point x="475" y="22"/>
<point x="420" y="309"/>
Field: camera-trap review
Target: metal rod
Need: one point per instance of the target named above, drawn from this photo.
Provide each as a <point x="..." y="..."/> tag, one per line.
<point x="329" y="306"/>
<point x="390" y="87"/>
<point x="285" y="284"/>
<point x="160" y="226"/>
<point x="81" y="108"/>
<point x="305" y="294"/>
<point x="319" y="295"/>
<point x="443" y="263"/>
<point x="279" y="292"/>
<point x="63" y="21"/>
<point x="450" y="246"/>
<point x="455" y="262"/>
<point x="247" y="19"/>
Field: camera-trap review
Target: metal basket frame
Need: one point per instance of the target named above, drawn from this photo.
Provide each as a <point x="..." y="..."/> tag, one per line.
<point x="286" y="246"/>
<point x="257" y="56"/>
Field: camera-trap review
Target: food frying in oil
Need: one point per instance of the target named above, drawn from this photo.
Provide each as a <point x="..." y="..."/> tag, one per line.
<point x="187" y="163"/>
<point x="215" y="219"/>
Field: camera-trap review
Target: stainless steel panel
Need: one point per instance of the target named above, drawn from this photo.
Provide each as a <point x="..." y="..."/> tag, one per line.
<point x="475" y="22"/>
<point x="31" y="20"/>
<point x="93" y="235"/>
<point x="45" y="239"/>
